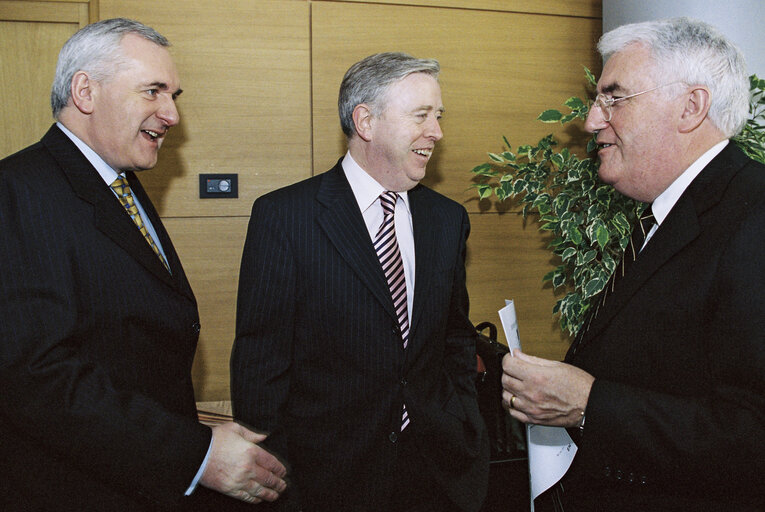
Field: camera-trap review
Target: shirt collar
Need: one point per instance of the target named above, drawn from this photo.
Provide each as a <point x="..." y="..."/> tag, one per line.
<point x="365" y="188"/>
<point x="107" y="173"/>
<point x="667" y="199"/>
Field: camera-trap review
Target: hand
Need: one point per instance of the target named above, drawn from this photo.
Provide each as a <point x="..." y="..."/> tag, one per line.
<point x="239" y="468"/>
<point x="544" y="392"/>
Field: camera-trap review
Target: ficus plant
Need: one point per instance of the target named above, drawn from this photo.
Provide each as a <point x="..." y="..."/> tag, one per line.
<point x="589" y="222"/>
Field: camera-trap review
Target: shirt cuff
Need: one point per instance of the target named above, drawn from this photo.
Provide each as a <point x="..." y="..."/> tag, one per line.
<point x="201" y="471"/>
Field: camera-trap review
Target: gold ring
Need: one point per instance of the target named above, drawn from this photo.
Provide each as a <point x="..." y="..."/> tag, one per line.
<point x="512" y="401"/>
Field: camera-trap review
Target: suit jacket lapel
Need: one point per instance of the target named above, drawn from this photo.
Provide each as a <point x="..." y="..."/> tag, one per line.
<point x="679" y="229"/>
<point x="343" y="224"/>
<point x="109" y="215"/>
<point x="425" y="226"/>
<point x="178" y="276"/>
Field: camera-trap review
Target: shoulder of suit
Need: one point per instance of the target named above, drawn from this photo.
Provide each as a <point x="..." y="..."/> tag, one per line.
<point x="422" y="192"/>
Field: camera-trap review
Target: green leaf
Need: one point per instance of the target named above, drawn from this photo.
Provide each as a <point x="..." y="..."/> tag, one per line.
<point x="593" y="287"/>
<point x="484" y="191"/>
<point x="590" y="77"/>
<point x="574" y="103"/>
<point x="496" y="158"/>
<point x="569" y="253"/>
<point x="602" y="236"/>
<point x="584" y="258"/>
<point x="575" y="235"/>
<point x="550" y="116"/>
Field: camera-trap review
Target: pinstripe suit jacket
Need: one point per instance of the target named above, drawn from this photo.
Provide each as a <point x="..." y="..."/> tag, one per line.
<point x="318" y="359"/>
<point x="96" y="344"/>
<point x="676" y="417"/>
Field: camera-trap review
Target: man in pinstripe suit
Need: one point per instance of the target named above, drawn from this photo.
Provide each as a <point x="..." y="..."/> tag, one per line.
<point x="318" y="360"/>
<point x="98" y="327"/>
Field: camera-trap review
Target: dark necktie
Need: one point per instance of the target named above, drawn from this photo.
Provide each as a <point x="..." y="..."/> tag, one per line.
<point x="125" y="195"/>
<point x="389" y="254"/>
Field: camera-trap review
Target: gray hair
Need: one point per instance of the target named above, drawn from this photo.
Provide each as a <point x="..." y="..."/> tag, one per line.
<point x="96" y="49"/>
<point x="368" y="80"/>
<point x="694" y="53"/>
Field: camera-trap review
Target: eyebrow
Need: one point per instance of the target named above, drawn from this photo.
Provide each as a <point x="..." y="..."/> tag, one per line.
<point x="610" y="88"/>
<point x="429" y="108"/>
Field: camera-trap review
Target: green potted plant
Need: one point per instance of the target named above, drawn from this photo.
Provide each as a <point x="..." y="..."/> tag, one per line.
<point x="590" y="222"/>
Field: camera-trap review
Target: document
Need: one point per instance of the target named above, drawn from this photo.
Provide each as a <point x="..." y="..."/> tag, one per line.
<point x="551" y="450"/>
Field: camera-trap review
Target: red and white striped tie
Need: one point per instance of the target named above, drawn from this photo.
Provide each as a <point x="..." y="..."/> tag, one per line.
<point x="389" y="254"/>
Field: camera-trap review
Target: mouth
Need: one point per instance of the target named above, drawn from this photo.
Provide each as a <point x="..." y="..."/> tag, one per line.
<point x="154" y="135"/>
<point x="605" y="145"/>
<point x="423" y="152"/>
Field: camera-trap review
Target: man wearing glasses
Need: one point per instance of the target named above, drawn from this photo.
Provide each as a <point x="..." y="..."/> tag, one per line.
<point x="664" y="387"/>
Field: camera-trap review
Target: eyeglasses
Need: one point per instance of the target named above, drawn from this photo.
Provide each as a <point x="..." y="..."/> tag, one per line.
<point x="605" y="103"/>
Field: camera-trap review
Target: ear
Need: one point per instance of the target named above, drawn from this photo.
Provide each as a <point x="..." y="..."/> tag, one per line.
<point x="82" y="89"/>
<point x="362" y="121"/>
<point x="697" y="103"/>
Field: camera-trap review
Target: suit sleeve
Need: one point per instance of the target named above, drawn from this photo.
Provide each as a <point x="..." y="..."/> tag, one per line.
<point x="61" y="401"/>
<point x="713" y="440"/>
<point x="261" y="357"/>
<point x="461" y="334"/>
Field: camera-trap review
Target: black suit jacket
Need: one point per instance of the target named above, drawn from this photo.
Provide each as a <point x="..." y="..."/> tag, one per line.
<point x="318" y="359"/>
<point x="97" y="339"/>
<point x="676" y="417"/>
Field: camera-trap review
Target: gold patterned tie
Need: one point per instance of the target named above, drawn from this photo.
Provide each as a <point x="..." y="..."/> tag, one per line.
<point x="125" y="195"/>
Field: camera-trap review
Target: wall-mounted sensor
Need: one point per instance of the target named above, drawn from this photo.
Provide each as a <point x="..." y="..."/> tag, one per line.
<point x="218" y="186"/>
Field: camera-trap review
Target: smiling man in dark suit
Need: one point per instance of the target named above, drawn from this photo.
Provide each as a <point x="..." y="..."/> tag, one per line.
<point x="667" y="379"/>
<point x="353" y="346"/>
<point x="98" y="324"/>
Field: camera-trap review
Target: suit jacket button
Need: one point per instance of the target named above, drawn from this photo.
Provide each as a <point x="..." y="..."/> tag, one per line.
<point x="196" y="327"/>
<point x="403" y="383"/>
<point x="618" y="474"/>
<point x="607" y="471"/>
<point x="393" y="437"/>
<point x="643" y="480"/>
<point x="631" y="478"/>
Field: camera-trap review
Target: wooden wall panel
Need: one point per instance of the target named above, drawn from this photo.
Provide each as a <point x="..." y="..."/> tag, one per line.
<point x="211" y="250"/>
<point x="557" y="7"/>
<point x="506" y="260"/>
<point x="245" y="107"/>
<point x="31" y="35"/>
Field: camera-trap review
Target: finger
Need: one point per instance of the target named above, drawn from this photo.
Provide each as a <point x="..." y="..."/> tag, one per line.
<point x="265" y="494"/>
<point x="511" y="383"/>
<point x="269" y="480"/>
<point x="249" y="435"/>
<point x="269" y="462"/>
<point x="247" y="497"/>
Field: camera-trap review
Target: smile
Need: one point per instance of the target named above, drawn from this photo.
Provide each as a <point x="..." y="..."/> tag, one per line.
<point x="154" y="135"/>
<point x="424" y="152"/>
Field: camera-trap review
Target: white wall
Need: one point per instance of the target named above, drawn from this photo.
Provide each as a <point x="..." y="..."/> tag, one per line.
<point x="742" y="21"/>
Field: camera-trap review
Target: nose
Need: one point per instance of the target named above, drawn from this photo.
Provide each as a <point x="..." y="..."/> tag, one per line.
<point x="596" y="120"/>
<point x="434" y="130"/>
<point x="168" y="111"/>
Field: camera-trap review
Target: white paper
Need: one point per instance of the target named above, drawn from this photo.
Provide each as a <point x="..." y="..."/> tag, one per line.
<point x="510" y="325"/>
<point x="550" y="449"/>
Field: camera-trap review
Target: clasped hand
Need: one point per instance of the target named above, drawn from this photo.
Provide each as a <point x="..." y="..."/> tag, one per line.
<point x="239" y="468"/>
<point x="544" y="392"/>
